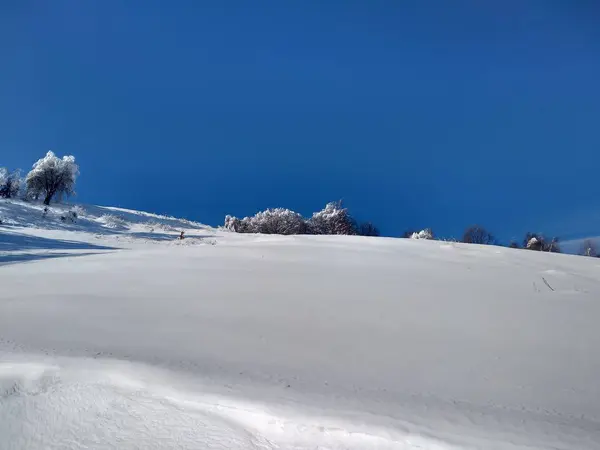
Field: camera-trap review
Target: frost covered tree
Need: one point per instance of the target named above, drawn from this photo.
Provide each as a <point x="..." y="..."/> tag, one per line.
<point x="10" y="183"/>
<point x="233" y="224"/>
<point x="423" y="234"/>
<point x="533" y="242"/>
<point x="278" y="221"/>
<point x="333" y="219"/>
<point x="478" y="235"/>
<point x="270" y="221"/>
<point x="52" y="176"/>
<point x="537" y="242"/>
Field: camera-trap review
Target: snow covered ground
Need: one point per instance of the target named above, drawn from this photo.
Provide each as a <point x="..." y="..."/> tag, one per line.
<point x="114" y="334"/>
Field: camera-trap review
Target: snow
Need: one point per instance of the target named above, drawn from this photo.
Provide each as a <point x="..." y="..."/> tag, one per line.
<point x="129" y="338"/>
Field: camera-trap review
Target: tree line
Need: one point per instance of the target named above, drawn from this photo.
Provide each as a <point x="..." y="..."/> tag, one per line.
<point x="335" y="219"/>
<point x="52" y="178"/>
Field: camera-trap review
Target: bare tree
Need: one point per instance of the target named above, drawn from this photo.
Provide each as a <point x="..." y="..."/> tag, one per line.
<point x="368" y="229"/>
<point x="476" y="234"/>
<point x="552" y="246"/>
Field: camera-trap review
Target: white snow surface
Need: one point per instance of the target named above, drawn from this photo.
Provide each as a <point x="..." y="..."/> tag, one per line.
<point x="114" y="334"/>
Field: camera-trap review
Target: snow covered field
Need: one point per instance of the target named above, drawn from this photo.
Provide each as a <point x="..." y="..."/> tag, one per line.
<point x="114" y="334"/>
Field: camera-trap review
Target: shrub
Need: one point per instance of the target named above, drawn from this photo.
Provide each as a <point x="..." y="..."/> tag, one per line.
<point x="271" y="221"/>
<point x="112" y="221"/>
<point x="423" y="234"/>
<point x="333" y="219"/>
<point x="10" y="183"/>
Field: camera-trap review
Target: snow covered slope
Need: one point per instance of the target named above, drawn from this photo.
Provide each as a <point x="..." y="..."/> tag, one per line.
<point x="114" y="334"/>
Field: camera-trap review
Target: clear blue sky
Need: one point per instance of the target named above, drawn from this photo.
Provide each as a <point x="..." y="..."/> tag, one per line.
<point x="418" y="114"/>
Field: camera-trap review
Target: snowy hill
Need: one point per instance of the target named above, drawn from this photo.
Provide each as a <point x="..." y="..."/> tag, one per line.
<point x="115" y="334"/>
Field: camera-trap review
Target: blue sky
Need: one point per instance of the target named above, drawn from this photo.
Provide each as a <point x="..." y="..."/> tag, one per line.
<point x="418" y="114"/>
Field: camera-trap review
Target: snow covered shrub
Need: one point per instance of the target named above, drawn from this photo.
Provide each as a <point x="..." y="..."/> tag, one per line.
<point x="270" y="221"/>
<point x="154" y="225"/>
<point x="534" y="244"/>
<point x="423" y="234"/>
<point x="333" y="219"/>
<point x="52" y="176"/>
<point x="232" y="224"/>
<point x="78" y="210"/>
<point x="277" y="221"/>
<point x="539" y="243"/>
<point x="10" y="183"/>
<point x="69" y="217"/>
<point x="237" y="225"/>
<point x="112" y="221"/>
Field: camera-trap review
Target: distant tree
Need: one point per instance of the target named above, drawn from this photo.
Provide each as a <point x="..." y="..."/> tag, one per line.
<point x="538" y="242"/>
<point x="476" y="234"/>
<point x="552" y="246"/>
<point x="426" y="234"/>
<point x="333" y="219"/>
<point x="408" y="234"/>
<point x="513" y="244"/>
<point x="52" y="176"/>
<point x="588" y="248"/>
<point x="10" y="183"/>
<point x="368" y="229"/>
<point x="270" y="221"/>
<point x="233" y="224"/>
<point x="278" y="221"/>
<point x="533" y="241"/>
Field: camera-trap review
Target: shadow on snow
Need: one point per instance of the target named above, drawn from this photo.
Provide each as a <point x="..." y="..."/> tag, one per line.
<point x="10" y="242"/>
<point x="6" y="260"/>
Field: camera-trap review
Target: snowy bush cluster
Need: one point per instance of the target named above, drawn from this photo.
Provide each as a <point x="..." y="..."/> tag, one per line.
<point x="154" y="225"/>
<point x="112" y="221"/>
<point x="423" y="234"/>
<point x="10" y="183"/>
<point x="69" y="217"/>
<point x="538" y="242"/>
<point x="270" y="221"/>
<point x="333" y="219"/>
<point x="51" y="178"/>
